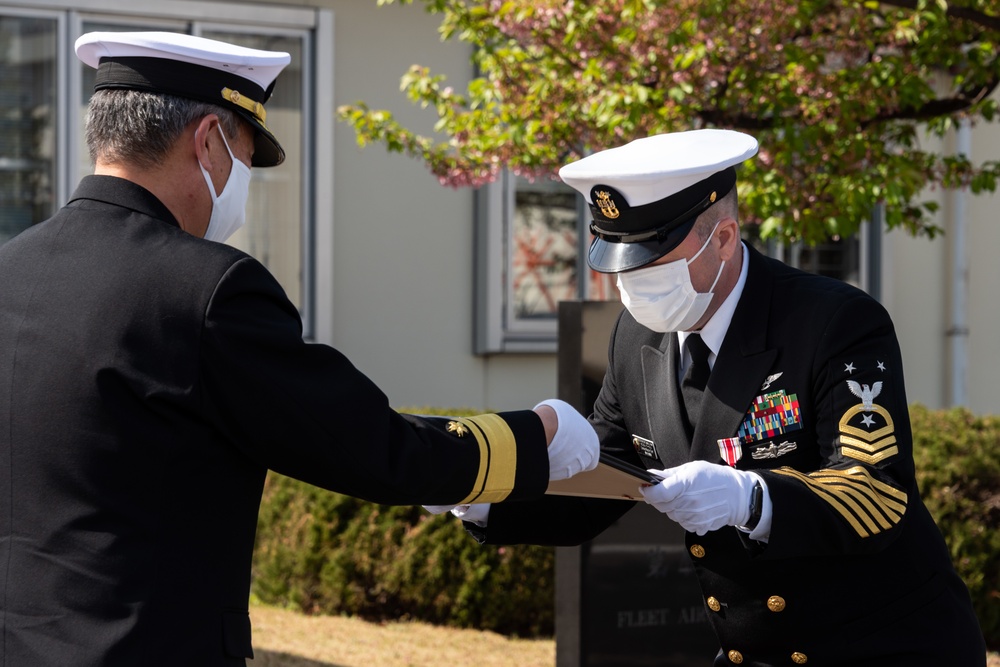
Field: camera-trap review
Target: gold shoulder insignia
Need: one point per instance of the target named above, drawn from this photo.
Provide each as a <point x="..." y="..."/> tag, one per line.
<point x="458" y="428"/>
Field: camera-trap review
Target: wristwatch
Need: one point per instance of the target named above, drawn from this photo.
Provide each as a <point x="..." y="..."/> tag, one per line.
<point x="756" y="507"/>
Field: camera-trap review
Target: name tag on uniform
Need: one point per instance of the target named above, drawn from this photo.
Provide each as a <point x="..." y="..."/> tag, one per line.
<point x="644" y="447"/>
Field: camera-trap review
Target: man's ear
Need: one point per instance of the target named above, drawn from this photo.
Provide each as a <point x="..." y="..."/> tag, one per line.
<point x="729" y="238"/>
<point x="204" y="144"/>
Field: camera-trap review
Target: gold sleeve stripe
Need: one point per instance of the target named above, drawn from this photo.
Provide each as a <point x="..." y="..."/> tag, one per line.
<point x="859" y="483"/>
<point x="866" y="444"/>
<point x="844" y="505"/>
<point x="887" y="490"/>
<point x="884" y="511"/>
<point x="870" y="453"/>
<point x="497" y="459"/>
<point x="867" y="504"/>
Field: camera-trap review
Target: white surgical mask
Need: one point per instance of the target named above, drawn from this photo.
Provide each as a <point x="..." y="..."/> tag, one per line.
<point x="229" y="210"/>
<point x="662" y="298"/>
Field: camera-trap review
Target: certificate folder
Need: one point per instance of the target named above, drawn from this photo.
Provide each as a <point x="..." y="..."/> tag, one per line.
<point x="612" y="478"/>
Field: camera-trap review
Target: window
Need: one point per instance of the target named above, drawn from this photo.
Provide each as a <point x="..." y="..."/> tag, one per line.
<point x="28" y="121"/>
<point x="277" y="227"/>
<point x="854" y="260"/>
<point x="42" y="158"/>
<point x="530" y="256"/>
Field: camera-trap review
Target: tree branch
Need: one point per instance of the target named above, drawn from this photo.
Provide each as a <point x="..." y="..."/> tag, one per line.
<point x="979" y="18"/>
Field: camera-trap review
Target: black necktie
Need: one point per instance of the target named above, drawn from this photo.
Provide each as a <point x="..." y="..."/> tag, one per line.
<point x="694" y="380"/>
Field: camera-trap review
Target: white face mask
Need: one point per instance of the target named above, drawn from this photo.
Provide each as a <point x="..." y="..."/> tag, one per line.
<point x="229" y="210"/>
<point x="662" y="298"/>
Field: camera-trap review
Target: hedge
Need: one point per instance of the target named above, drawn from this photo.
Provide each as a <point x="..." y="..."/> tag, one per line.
<point x="322" y="552"/>
<point x="958" y="469"/>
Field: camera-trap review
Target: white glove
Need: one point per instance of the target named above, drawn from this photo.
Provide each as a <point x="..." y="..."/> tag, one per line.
<point x="477" y="513"/>
<point x="575" y="447"/>
<point x="703" y="496"/>
<point x="441" y="509"/>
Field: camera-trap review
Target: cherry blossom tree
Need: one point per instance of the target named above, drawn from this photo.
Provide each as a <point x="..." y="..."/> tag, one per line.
<point x="841" y="94"/>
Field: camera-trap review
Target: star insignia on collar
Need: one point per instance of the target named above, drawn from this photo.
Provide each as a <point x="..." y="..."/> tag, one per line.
<point x="849" y="368"/>
<point x="458" y="428"/>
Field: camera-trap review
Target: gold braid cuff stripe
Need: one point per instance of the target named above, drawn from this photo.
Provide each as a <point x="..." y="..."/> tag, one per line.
<point x="497" y="459"/>
<point x="868" y="505"/>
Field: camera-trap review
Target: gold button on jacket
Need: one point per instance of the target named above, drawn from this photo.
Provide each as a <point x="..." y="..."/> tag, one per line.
<point x="799" y="658"/>
<point x="713" y="604"/>
<point x="735" y="657"/>
<point x="776" y="603"/>
<point x="697" y="551"/>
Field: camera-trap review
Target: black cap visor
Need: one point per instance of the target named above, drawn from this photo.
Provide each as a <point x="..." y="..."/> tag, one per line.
<point x="615" y="257"/>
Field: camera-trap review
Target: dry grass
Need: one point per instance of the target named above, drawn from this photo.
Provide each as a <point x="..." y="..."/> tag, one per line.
<point x="289" y="639"/>
<point x="284" y="638"/>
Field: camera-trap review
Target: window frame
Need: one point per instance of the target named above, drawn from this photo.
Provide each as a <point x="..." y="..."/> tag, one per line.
<point x="498" y="328"/>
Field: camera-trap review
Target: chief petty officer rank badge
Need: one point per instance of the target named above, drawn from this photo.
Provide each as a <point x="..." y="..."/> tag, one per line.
<point x="867" y="432"/>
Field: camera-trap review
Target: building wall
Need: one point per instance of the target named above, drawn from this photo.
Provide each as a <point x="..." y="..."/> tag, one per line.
<point x="403" y="244"/>
<point x="918" y="293"/>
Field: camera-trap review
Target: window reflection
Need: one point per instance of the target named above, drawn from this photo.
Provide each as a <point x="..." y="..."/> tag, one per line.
<point x="545" y="251"/>
<point x="27" y="122"/>
<point x="544" y="248"/>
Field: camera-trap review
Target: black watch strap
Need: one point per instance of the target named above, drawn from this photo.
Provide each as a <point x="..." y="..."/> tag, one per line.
<point x="756" y="506"/>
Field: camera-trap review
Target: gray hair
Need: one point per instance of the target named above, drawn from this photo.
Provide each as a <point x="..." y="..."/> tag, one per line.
<point x="726" y="207"/>
<point x="139" y="128"/>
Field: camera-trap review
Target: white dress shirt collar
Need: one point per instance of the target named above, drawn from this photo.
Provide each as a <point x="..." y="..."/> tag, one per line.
<point x="715" y="329"/>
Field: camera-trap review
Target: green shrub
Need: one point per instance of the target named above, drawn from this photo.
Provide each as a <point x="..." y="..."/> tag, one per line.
<point x="328" y="553"/>
<point x="323" y="552"/>
<point x="958" y="469"/>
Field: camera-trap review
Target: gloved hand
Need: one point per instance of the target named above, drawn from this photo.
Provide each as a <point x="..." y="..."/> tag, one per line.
<point x="575" y="447"/>
<point x="477" y="513"/>
<point x="703" y="496"/>
<point x="441" y="509"/>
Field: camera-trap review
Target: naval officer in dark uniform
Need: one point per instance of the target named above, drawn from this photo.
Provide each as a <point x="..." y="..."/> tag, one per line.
<point x="771" y="401"/>
<point x="151" y="375"/>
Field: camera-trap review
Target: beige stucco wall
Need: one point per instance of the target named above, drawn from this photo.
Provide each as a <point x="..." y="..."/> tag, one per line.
<point x="918" y="292"/>
<point x="402" y="243"/>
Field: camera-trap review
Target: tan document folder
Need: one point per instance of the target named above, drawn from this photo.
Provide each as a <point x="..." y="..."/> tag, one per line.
<point x="612" y="478"/>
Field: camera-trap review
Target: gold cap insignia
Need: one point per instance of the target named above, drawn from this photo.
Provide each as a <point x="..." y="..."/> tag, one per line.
<point x="458" y="428"/>
<point x="254" y="107"/>
<point x="606" y="204"/>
